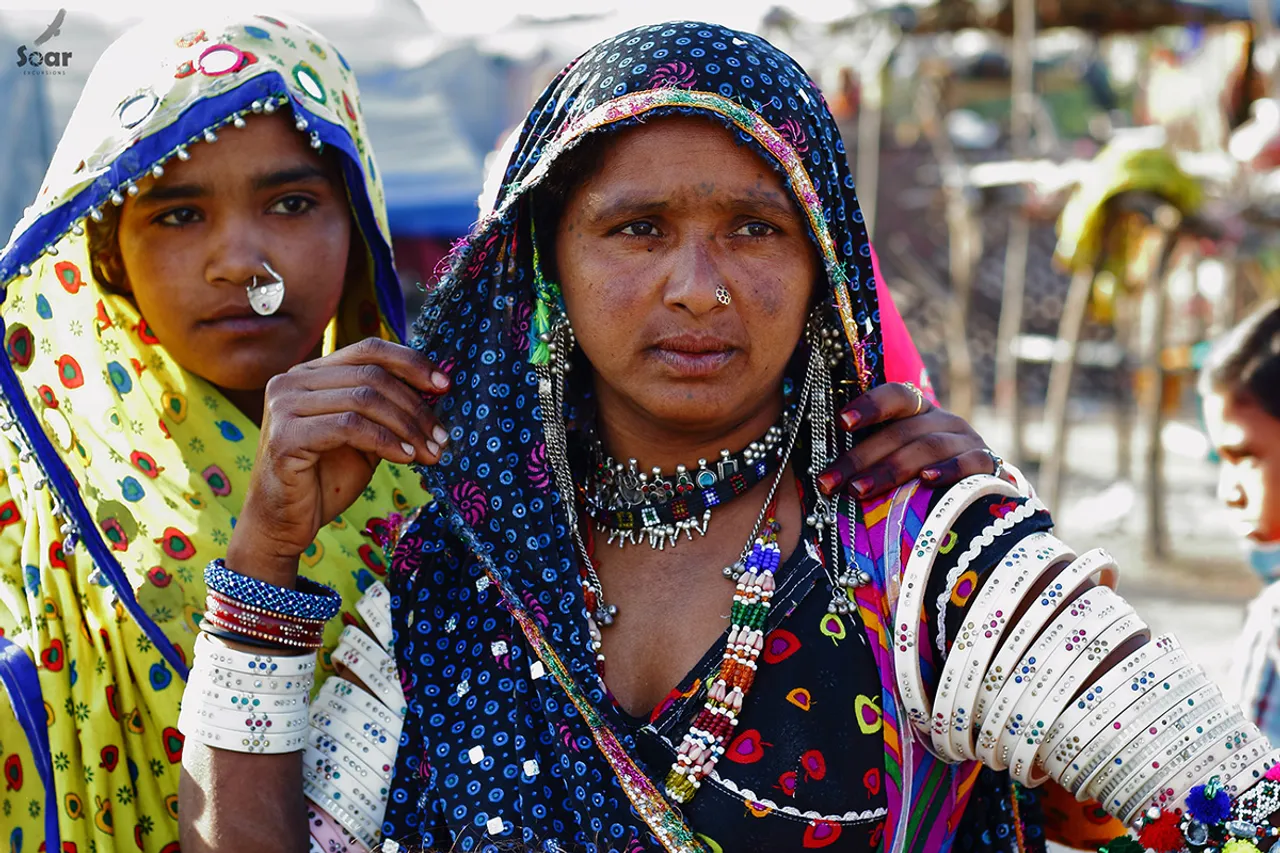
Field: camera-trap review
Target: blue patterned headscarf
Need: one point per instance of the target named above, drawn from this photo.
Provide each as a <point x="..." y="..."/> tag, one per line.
<point x="509" y="734"/>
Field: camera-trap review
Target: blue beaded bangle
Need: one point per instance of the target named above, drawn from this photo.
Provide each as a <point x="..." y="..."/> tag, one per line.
<point x="310" y="600"/>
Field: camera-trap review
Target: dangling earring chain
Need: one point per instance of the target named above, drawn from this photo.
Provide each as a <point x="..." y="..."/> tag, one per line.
<point x="823" y="354"/>
<point x="826" y="353"/>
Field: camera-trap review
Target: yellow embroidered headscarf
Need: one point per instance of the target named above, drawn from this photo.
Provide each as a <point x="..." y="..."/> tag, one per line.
<point x="123" y="473"/>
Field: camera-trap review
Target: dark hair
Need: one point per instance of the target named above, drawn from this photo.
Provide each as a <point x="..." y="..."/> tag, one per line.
<point x="104" y="249"/>
<point x="571" y="169"/>
<point x="1247" y="360"/>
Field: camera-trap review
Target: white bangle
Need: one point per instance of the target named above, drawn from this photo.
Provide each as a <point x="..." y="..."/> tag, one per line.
<point x="1245" y="748"/>
<point x="1053" y="658"/>
<point x="1174" y="750"/>
<point x="966" y="668"/>
<point x="1094" y="709"/>
<point x="333" y="778"/>
<point x="254" y="722"/>
<point x="1195" y="758"/>
<point x="277" y="666"/>
<point x="341" y="690"/>
<point x="209" y="695"/>
<point x="915" y="578"/>
<point x="1210" y="711"/>
<point x="374" y="608"/>
<point x="1093" y="566"/>
<point x="362" y="742"/>
<point x="351" y="819"/>
<point x="1253" y="772"/>
<point x="1020" y="480"/>
<point x="322" y="745"/>
<point x="1022" y="763"/>
<point x="1008" y="713"/>
<point x="1128" y="743"/>
<point x="360" y="721"/>
<point x="985" y="539"/>
<point x="240" y="741"/>
<point x="373" y="666"/>
<point x="260" y="685"/>
<point x="1161" y="706"/>
<point x="1113" y="691"/>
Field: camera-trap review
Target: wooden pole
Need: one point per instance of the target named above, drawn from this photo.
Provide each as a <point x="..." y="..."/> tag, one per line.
<point x="1264" y="32"/>
<point x="1022" y="85"/>
<point x="870" y="120"/>
<point x="1155" y="541"/>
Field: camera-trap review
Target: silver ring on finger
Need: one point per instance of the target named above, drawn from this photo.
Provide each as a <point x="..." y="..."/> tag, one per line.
<point x="996" y="462"/>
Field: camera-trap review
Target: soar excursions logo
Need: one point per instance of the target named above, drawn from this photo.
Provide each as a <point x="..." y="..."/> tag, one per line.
<point x="34" y="60"/>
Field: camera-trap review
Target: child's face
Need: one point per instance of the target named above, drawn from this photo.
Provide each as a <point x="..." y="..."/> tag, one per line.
<point x="193" y="239"/>
<point x="1248" y="440"/>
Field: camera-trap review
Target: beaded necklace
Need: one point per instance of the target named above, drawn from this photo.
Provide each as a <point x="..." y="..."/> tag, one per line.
<point x="713" y="727"/>
<point x="716" y="721"/>
<point x="632" y="506"/>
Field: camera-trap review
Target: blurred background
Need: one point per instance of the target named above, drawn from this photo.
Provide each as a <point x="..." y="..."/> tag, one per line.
<point x="1069" y="198"/>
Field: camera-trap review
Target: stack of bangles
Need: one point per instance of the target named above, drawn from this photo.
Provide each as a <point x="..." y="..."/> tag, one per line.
<point x="260" y="702"/>
<point x="1151" y="738"/>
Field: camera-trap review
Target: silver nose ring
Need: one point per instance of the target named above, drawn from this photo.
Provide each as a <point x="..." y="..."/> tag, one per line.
<point x="266" y="298"/>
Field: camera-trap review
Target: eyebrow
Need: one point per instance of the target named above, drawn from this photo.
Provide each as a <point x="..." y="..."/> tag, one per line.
<point x="633" y="204"/>
<point x="292" y="175"/>
<point x="269" y="180"/>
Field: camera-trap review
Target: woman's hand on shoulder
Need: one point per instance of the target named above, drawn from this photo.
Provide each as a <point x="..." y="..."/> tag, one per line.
<point x="326" y="426"/>
<point x="915" y="439"/>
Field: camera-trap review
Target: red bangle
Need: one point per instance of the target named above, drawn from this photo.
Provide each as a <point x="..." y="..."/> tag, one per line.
<point x="237" y="604"/>
<point x="232" y="631"/>
<point x="262" y="626"/>
<point x="263" y="622"/>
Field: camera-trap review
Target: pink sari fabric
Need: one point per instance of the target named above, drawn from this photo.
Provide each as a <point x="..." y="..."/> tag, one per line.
<point x="902" y="362"/>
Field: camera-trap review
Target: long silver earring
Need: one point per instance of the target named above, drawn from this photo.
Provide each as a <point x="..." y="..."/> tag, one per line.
<point x="551" y="374"/>
<point x="826" y="349"/>
<point x="267" y="297"/>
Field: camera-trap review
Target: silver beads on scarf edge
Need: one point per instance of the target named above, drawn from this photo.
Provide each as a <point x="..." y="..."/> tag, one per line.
<point x="9" y="424"/>
<point x="129" y="187"/>
<point x="12" y="430"/>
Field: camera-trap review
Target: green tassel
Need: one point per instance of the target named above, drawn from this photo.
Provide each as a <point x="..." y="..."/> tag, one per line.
<point x="548" y="303"/>
<point x="1123" y="844"/>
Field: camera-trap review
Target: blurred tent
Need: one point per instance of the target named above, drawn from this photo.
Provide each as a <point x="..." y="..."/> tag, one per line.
<point x="26" y="139"/>
<point x="435" y="105"/>
<point x="1096" y="16"/>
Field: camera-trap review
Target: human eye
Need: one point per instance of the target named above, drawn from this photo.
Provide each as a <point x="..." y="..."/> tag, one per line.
<point x="640" y="228"/>
<point x="178" y="217"/>
<point x="292" y="205"/>
<point x="755" y="229"/>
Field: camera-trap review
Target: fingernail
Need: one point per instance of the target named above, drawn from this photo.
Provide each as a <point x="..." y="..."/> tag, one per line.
<point x="850" y="419"/>
<point x="439" y="380"/>
<point x="930" y="474"/>
<point x="408" y="448"/>
<point x="829" y="481"/>
<point x="863" y="485"/>
<point x="434" y="448"/>
<point x="440" y="434"/>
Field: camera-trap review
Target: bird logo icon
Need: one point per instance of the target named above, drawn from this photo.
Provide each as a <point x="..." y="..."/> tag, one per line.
<point x="54" y="29"/>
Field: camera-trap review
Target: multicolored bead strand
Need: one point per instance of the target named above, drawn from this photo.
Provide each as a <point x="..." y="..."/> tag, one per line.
<point x="715" y="723"/>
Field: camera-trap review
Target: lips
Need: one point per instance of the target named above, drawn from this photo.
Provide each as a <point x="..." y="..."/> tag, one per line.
<point x="694" y="356"/>
<point x="241" y="320"/>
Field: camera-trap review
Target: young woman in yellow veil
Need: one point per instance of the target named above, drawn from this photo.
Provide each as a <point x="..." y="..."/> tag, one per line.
<point x="204" y="165"/>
